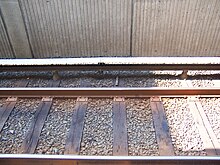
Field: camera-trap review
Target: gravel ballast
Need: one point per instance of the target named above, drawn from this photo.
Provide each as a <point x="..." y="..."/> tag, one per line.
<point x="97" y="134"/>
<point x="151" y="82"/>
<point x="184" y="133"/>
<point x="70" y="82"/>
<point x="2" y="102"/>
<point x="17" y="125"/>
<point x="211" y="107"/>
<point x="38" y="83"/>
<point x="6" y="83"/>
<point x="202" y="83"/>
<point x="87" y="82"/>
<point x="98" y="82"/>
<point x="141" y="132"/>
<point x="53" y="135"/>
<point x="97" y="138"/>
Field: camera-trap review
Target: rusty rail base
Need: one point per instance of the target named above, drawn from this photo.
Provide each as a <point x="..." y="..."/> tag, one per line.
<point x="108" y="92"/>
<point x="29" y="159"/>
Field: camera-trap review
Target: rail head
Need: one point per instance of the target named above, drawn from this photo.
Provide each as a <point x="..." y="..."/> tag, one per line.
<point x="112" y="63"/>
<point x="77" y="159"/>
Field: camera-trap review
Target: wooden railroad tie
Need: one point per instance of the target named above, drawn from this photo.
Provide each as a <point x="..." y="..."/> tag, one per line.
<point x="74" y="137"/>
<point x="120" y="135"/>
<point x="120" y="139"/>
<point x="210" y="141"/>
<point x="31" y="139"/>
<point x="5" y="111"/>
<point x="76" y="129"/>
<point x="161" y="127"/>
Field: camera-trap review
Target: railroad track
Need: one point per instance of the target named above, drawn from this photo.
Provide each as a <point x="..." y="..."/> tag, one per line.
<point x="118" y="99"/>
<point x="120" y="125"/>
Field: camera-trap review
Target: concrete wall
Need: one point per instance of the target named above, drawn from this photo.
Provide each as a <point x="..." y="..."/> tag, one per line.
<point x="5" y="45"/>
<point x="15" y="27"/>
<point x="82" y="28"/>
<point x="67" y="28"/>
<point x="176" y="28"/>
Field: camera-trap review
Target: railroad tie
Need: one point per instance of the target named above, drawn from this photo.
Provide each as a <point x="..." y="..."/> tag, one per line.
<point x="74" y="137"/>
<point x="206" y="132"/>
<point x="161" y="127"/>
<point x="31" y="139"/>
<point x="120" y="135"/>
<point x="120" y="139"/>
<point x="5" y="111"/>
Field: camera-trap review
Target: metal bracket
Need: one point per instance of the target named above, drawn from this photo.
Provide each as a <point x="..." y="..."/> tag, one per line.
<point x="155" y="99"/>
<point x="82" y="99"/>
<point x="119" y="99"/>
<point x="47" y="99"/>
<point x="11" y="99"/>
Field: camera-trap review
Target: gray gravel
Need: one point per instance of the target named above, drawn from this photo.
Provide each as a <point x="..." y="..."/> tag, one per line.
<point x="97" y="135"/>
<point x="17" y="125"/>
<point x="8" y="83"/>
<point x="184" y="133"/>
<point x="166" y="72"/>
<point x="168" y="82"/>
<point x="203" y="72"/>
<point x="211" y="107"/>
<point x="138" y="82"/>
<point x="70" y="82"/>
<point x="2" y="102"/>
<point x="38" y="82"/>
<point x="53" y="136"/>
<point x="87" y="82"/>
<point x="141" y="133"/>
<point x="190" y="72"/>
<point x="151" y="82"/>
<point x="99" y="82"/>
<point x="202" y="83"/>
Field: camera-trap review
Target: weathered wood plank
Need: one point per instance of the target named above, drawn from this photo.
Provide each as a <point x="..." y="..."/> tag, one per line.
<point x="5" y="111"/>
<point x="30" y="142"/>
<point x="120" y="139"/>
<point x="76" y="129"/>
<point x="207" y="142"/>
<point x="74" y="137"/>
<point x="208" y="128"/>
<point x="207" y="134"/>
<point x="161" y="127"/>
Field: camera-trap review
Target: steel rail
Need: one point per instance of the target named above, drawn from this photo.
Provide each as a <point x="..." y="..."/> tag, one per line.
<point x="24" y="159"/>
<point x="107" y="92"/>
<point x="112" y="67"/>
<point x="112" y="63"/>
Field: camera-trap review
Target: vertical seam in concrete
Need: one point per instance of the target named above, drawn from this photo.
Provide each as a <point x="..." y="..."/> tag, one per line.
<point x="25" y="27"/>
<point x="13" y="21"/>
<point x="6" y="31"/>
<point x="131" y="35"/>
